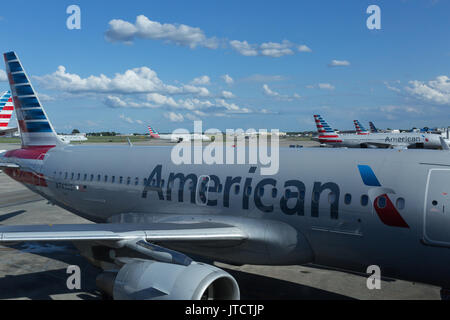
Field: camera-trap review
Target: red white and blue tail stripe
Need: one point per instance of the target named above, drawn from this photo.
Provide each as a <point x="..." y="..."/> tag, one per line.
<point x="153" y="133"/>
<point x="6" y="109"/>
<point x="359" y="128"/>
<point x="373" y="129"/>
<point x="326" y="133"/>
<point x="35" y="128"/>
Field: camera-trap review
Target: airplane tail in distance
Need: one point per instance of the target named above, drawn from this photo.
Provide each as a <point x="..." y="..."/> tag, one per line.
<point x="326" y="133"/>
<point x="6" y="109"/>
<point x="153" y="133"/>
<point x="372" y="127"/>
<point x="359" y="128"/>
<point x="34" y="126"/>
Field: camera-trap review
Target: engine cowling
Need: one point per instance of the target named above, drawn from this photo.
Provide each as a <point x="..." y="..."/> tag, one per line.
<point x="153" y="280"/>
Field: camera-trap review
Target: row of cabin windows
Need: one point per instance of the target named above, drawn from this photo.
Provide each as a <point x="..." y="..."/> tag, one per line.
<point x="364" y="200"/>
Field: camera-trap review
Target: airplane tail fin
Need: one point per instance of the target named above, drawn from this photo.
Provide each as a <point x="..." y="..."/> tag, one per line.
<point x="153" y="133"/>
<point x="359" y="128"/>
<point x="6" y="109"/>
<point x="326" y="133"/>
<point x="34" y="126"/>
<point x="373" y="129"/>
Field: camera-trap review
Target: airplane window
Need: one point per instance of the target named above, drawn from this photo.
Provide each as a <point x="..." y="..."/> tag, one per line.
<point x="78" y="176"/>
<point x="65" y="176"/>
<point x="364" y="200"/>
<point x="237" y="189"/>
<point x="72" y="176"/>
<point x="99" y="177"/>
<point x="331" y="197"/>
<point x="113" y="179"/>
<point x="136" y="181"/>
<point x="120" y="180"/>
<point x="145" y="181"/>
<point x="274" y="193"/>
<point x="106" y="178"/>
<point x="348" y="198"/>
<point x="382" y="202"/>
<point x="400" y="203"/>
<point x="128" y="180"/>
<point x="92" y="177"/>
<point x="85" y="177"/>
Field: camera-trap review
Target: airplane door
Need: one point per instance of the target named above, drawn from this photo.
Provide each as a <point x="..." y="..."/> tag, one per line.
<point x="436" y="227"/>
<point x="202" y="192"/>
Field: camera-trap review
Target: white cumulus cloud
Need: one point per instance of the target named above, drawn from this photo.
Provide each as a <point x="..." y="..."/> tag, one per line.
<point x="434" y="91"/>
<point x="227" y="79"/>
<point x="268" y="49"/>
<point x="174" y="117"/>
<point x="203" y="80"/>
<point x="3" y="76"/>
<point x="339" y="63"/>
<point x="144" y="28"/>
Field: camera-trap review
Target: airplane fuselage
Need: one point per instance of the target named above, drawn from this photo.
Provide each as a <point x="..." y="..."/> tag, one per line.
<point x="332" y="213"/>
<point x="373" y="140"/>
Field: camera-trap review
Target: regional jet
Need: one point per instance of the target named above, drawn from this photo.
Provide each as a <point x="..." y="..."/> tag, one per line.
<point x="340" y="208"/>
<point x="177" y="137"/>
<point x="411" y="140"/>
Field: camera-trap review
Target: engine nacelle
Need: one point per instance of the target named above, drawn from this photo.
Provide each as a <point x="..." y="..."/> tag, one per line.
<point x="152" y="280"/>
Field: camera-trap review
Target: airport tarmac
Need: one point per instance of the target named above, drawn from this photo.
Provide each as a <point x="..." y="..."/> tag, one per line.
<point x="38" y="271"/>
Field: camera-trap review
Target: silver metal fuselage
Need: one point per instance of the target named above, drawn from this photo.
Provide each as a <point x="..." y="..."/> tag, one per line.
<point x="424" y="140"/>
<point x="332" y="231"/>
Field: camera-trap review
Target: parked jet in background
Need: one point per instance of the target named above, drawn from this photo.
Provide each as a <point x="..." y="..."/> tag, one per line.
<point x="373" y="129"/>
<point x="388" y="208"/>
<point x="175" y="137"/>
<point x="375" y="140"/>
<point x="6" y="111"/>
<point x="359" y="128"/>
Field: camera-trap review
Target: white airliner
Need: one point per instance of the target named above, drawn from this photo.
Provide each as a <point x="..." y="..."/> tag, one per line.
<point x="334" y="207"/>
<point x="6" y="111"/>
<point x="365" y="139"/>
<point x="176" y="137"/>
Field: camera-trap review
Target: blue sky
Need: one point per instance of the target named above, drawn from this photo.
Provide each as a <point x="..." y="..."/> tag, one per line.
<point x="284" y="61"/>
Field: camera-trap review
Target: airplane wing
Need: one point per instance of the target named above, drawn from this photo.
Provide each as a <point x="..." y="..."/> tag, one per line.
<point x="122" y="231"/>
<point x="9" y="130"/>
<point x="385" y="145"/>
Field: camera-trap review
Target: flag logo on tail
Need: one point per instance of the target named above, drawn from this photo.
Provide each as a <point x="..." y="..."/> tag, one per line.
<point x="35" y="128"/>
<point x="359" y="128"/>
<point x="326" y="133"/>
<point x="153" y="133"/>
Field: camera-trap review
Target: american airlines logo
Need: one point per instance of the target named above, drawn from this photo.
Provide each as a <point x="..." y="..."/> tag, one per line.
<point x="266" y="194"/>
<point x="403" y="140"/>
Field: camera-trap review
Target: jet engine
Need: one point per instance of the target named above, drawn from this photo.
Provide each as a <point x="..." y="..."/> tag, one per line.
<point x="152" y="280"/>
